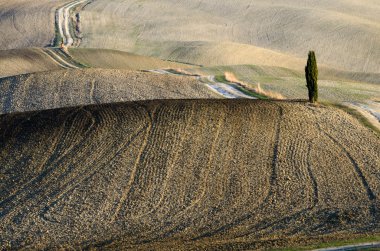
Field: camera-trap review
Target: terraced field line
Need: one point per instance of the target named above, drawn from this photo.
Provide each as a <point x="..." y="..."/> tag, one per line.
<point x="312" y="177"/>
<point x="92" y="92"/>
<point x="68" y="186"/>
<point x="272" y="178"/>
<point x="47" y="171"/>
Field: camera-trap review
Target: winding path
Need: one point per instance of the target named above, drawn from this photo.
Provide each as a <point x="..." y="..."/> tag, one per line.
<point x="223" y="89"/>
<point x="61" y="61"/>
<point x="63" y="17"/>
<point x="62" y="58"/>
<point x="63" y="22"/>
<point x="226" y="90"/>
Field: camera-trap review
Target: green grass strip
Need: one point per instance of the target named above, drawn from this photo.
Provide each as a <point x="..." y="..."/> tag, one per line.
<point x="57" y="38"/>
<point x="339" y="243"/>
<point x="356" y="114"/>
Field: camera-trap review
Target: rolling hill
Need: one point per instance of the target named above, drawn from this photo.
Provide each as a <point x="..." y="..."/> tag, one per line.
<point x="345" y="34"/>
<point x="66" y="88"/>
<point x="196" y="174"/>
<point x="31" y="60"/>
<point x="25" y="23"/>
<point x="22" y="61"/>
<point x="122" y="139"/>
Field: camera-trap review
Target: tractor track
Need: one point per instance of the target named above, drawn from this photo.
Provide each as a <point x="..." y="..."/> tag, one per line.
<point x="64" y="27"/>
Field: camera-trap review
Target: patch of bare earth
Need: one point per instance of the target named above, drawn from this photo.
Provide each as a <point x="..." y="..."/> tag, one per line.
<point x="195" y="174"/>
<point x="67" y="88"/>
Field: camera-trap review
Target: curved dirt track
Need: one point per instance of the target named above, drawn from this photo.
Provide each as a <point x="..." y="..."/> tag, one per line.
<point x="64" y="18"/>
<point x="223" y="89"/>
<point x="31" y="60"/>
<point x="196" y="174"/>
<point x="22" y="61"/>
<point x="22" y="24"/>
<point x="67" y="88"/>
<point x="61" y="58"/>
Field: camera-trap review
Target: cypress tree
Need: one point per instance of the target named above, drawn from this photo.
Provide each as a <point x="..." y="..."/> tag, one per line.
<point x="311" y="73"/>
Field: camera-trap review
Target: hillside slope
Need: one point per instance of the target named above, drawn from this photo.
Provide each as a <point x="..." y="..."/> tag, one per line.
<point x="112" y="59"/>
<point x="65" y="88"/>
<point x="345" y="33"/>
<point x="23" y="61"/>
<point x="31" y="60"/>
<point x="25" y="23"/>
<point x="186" y="175"/>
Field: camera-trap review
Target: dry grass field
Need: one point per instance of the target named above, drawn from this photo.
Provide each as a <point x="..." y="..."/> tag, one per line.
<point x="184" y="175"/>
<point x="345" y="34"/>
<point x="112" y="59"/>
<point x="26" y="23"/>
<point x="66" y="88"/>
<point x="22" y="61"/>
<point x="358" y="91"/>
<point x="31" y="60"/>
<point x="334" y="86"/>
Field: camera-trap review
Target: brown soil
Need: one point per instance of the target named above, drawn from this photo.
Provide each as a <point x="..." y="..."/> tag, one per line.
<point x="195" y="174"/>
<point x="65" y="88"/>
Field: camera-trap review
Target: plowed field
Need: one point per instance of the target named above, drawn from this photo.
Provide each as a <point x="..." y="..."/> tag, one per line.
<point x="67" y="88"/>
<point x="186" y="175"/>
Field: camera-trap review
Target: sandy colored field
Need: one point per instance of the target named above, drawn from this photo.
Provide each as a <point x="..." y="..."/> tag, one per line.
<point x="22" y="61"/>
<point x="63" y="88"/>
<point x="111" y="59"/>
<point x="27" y="23"/>
<point x="223" y="53"/>
<point x="186" y="174"/>
<point x="334" y="86"/>
<point x="344" y="33"/>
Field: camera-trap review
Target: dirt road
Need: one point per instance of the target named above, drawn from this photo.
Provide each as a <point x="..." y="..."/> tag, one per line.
<point x="63" y="15"/>
<point x="58" y="59"/>
<point x="223" y="89"/>
<point x="61" y="57"/>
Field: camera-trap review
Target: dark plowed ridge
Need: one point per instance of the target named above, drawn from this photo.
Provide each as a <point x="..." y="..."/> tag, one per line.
<point x="186" y="174"/>
<point x="69" y="88"/>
